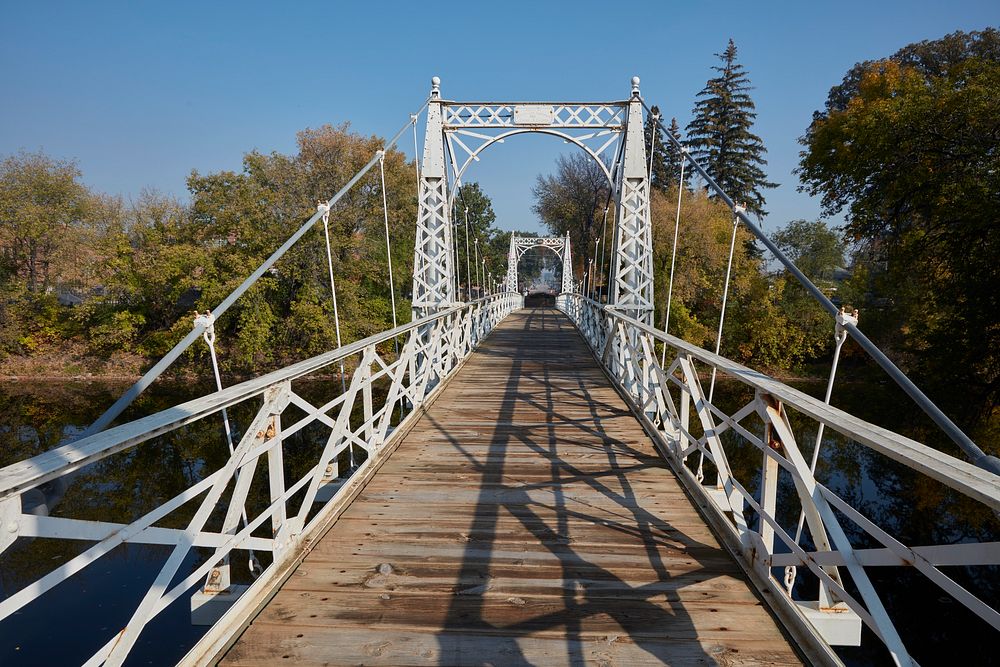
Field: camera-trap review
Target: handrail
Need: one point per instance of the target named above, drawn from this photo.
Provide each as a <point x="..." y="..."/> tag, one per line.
<point x="357" y="418"/>
<point x="18" y="477"/>
<point x="960" y="475"/>
<point x="665" y="397"/>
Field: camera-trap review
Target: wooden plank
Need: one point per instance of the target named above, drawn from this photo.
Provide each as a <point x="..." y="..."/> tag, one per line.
<point x="526" y="519"/>
<point x="272" y="645"/>
<point x="651" y="617"/>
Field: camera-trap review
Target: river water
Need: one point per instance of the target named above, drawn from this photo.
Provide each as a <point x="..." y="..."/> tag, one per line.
<point x="72" y="621"/>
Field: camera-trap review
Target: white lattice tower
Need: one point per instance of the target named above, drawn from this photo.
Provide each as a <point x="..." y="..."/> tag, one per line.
<point x="632" y="276"/>
<point x="567" y="267"/>
<point x="512" y="257"/>
<point x="433" y="273"/>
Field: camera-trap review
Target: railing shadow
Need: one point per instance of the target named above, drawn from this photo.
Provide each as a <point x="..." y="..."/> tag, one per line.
<point x="555" y="510"/>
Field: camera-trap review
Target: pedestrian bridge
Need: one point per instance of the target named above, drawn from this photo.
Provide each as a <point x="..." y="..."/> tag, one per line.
<point x="494" y="484"/>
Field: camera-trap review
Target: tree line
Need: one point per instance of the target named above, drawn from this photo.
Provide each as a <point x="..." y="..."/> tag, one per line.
<point x="136" y="271"/>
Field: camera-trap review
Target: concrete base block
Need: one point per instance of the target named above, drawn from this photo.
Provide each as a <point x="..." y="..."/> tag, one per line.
<point x="839" y="626"/>
<point x="208" y="608"/>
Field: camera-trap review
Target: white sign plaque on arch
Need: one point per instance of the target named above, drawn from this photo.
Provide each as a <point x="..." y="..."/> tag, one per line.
<point x="533" y="114"/>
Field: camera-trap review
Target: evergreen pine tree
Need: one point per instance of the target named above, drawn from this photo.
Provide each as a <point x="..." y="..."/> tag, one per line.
<point x="661" y="176"/>
<point x="674" y="156"/>
<point x="667" y="155"/>
<point x="719" y="135"/>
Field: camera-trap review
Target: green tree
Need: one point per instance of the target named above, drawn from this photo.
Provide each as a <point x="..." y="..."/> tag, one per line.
<point x="906" y="147"/>
<point x="42" y="206"/>
<point x="930" y="58"/>
<point x="758" y="331"/>
<point x="573" y="200"/>
<point x="242" y="217"/>
<point x="471" y="199"/>
<point x="818" y="251"/>
<point x="720" y="134"/>
<point x="667" y="157"/>
<point x="675" y="157"/>
<point x="814" y="247"/>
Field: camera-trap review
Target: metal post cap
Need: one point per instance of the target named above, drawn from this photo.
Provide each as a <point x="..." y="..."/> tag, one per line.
<point x="635" y="85"/>
<point x="435" y="84"/>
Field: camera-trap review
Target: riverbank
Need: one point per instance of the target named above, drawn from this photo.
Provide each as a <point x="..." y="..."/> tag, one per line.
<point x="69" y="362"/>
<point x="73" y="363"/>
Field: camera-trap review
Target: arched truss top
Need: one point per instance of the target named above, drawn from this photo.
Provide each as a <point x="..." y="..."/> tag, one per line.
<point x="535" y="114"/>
<point x="523" y="244"/>
<point x="471" y="128"/>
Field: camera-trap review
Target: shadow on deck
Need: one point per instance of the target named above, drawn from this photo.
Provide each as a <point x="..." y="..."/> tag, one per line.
<point x="526" y="519"/>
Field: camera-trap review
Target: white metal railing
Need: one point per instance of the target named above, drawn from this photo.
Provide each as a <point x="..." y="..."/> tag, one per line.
<point x="357" y="417"/>
<point x="670" y="401"/>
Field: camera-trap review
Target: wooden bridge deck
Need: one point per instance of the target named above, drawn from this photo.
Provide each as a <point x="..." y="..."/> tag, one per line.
<point x="526" y="519"/>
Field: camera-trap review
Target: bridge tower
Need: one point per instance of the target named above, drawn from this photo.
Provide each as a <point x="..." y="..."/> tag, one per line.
<point x="433" y="272"/>
<point x="632" y="271"/>
<point x="454" y="128"/>
<point x="512" y="257"/>
<point x="557" y="244"/>
<point x="567" y="267"/>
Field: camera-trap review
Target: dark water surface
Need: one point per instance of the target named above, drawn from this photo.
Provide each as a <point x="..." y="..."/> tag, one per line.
<point x="68" y="624"/>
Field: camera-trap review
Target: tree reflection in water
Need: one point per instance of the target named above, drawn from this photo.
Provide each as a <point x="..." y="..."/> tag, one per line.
<point x="913" y="508"/>
<point x="70" y="622"/>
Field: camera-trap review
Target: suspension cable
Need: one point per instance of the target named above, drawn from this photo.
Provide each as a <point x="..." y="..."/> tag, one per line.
<point x="388" y="249"/>
<point x="652" y="146"/>
<point x="593" y="280"/>
<point x="478" y="272"/>
<point x="725" y="296"/>
<point x="416" y="158"/>
<point x="324" y="208"/>
<point x="611" y="257"/>
<point x="454" y="247"/>
<point x="604" y="237"/>
<point x="604" y="241"/>
<point x="207" y="320"/>
<point x="468" y="261"/>
<point x="170" y="357"/>
<point x="839" y="337"/>
<point x="673" y="259"/>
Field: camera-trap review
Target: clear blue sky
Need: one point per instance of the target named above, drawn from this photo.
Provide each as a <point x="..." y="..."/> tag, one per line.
<point x="142" y="93"/>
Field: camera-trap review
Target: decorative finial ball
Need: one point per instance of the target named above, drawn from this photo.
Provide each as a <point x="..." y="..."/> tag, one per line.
<point x="435" y="81"/>
<point x="635" y="82"/>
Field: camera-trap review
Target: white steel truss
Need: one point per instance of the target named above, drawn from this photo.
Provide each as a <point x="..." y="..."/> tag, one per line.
<point x="433" y="271"/>
<point x="382" y="397"/>
<point x="611" y="133"/>
<point x="557" y="244"/>
<point x="632" y="271"/>
<point x="471" y="128"/>
<point x="669" y="399"/>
